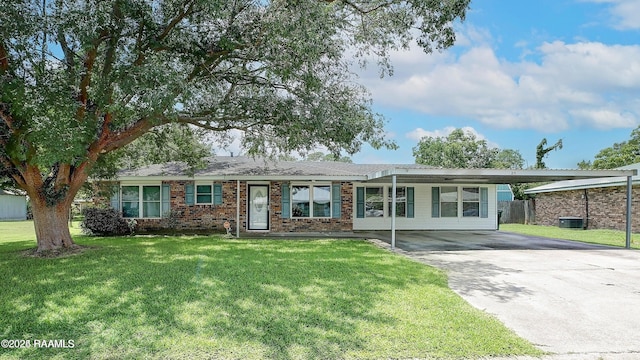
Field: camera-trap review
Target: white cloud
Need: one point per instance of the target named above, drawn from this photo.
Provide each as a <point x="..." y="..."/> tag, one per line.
<point x="625" y="13"/>
<point x="585" y="83"/>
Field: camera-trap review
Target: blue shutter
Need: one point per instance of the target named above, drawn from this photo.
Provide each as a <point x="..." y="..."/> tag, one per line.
<point x="189" y="194"/>
<point x="115" y="199"/>
<point x="360" y="202"/>
<point x="217" y="194"/>
<point x="166" y="200"/>
<point x="410" y="202"/>
<point x="484" y="202"/>
<point x="286" y="201"/>
<point x="435" y="202"/>
<point x="336" y="199"/>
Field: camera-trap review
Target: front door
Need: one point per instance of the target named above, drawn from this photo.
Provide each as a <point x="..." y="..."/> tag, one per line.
<point x="258" y="207"/>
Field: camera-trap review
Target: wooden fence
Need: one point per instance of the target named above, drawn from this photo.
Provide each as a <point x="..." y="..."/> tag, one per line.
<point x="517" y="212"/>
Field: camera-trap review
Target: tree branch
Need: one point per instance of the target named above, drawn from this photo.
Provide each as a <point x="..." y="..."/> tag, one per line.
<point x="202" y="122"/>
<point x="89" y="62"/>
<point x="186" y="11"/>
<point x="4" y="59"/>
<point x="117" y="140"/>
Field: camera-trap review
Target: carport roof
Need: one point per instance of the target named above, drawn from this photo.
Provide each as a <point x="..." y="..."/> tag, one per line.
<point x="490" y="176"/>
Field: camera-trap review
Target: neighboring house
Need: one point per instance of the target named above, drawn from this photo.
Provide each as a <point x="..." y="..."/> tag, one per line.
<point x="256" y="195"/>
<point x="599" y="202"/>
<point x="504" y="192"/>
<point x="13" y="206"/>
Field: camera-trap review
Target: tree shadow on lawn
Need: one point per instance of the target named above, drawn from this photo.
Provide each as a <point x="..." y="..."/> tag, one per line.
<point x="203" y="298"/>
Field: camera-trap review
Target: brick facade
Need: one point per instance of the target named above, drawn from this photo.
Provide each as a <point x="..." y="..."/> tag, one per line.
<point x="607" y="207"/>
<point x="211" y="218"/>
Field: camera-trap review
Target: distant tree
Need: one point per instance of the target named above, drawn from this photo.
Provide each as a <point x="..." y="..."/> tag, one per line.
<point x="620" y="154"/>
<point x="81" y="79"/>
<point x="460" y="149"/>
<point x="508" y="159"/>
<point x="542" y="151"/>
<point x="585" y="165"/>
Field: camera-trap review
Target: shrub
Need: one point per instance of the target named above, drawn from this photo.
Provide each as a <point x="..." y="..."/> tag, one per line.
<point x="105" y="222"/>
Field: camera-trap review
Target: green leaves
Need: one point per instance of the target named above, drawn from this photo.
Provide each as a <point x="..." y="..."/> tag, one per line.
<point x="83" y="78"/>
<point x="461" y="149"/>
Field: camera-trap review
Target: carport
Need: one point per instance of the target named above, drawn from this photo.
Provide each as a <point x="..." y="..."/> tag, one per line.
<point x="400" y="175"/>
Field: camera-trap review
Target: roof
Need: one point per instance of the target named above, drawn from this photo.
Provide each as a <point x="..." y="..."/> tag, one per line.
<point x="247" y="168"/>
<point x="592" y="183"/>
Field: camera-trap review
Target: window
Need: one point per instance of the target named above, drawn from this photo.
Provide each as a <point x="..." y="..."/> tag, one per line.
<point x="300" y="196"/>
<point x="311" y="201"/>
<point x="449" y="201"/>
<point x="471" y="202"/>
<point x="203" y="194"/>
<point x="322" y="201"/>
<point x="143" y="201"/>
<point x="131" y="201"/>
<point x="401" y="201"/>
<point x="374" y="202"/>
<point x="151" y="201"/>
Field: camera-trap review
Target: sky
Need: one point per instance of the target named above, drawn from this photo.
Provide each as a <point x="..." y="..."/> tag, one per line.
<point x="521" y="71"/>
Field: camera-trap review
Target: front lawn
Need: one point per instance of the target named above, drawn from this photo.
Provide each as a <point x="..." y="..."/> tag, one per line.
<point x="594" y="236"/>
<point x="207" y="297"/>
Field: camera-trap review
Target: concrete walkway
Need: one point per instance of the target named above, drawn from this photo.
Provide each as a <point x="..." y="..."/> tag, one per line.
<point x="573" y="300"/>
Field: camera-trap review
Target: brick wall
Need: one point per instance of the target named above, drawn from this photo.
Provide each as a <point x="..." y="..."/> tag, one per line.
<point x="210" y="218"/>
<point x="607" y="207"/>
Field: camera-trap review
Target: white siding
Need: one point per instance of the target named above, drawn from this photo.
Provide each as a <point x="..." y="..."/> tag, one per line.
<point x="423" y="219"/>
<point x="13" y="207"/>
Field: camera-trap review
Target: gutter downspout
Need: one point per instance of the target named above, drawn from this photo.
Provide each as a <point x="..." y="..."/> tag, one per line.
<point x="237" y="208"/>
<point x="586" y="208"/>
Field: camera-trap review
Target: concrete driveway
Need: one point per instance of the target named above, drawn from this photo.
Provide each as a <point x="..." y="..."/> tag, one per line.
<point x="574" y="300"/>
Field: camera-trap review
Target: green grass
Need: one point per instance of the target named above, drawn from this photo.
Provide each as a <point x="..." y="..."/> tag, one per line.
<point x="596" y="236"/>
<point x="207" y="297"/>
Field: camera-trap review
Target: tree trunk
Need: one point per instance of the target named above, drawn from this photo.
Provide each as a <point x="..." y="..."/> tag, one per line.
<point x="52" y="225"/>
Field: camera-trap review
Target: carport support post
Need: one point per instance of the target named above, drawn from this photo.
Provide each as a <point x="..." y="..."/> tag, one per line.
<point x="393" y="212"/>
<point x="629" y="193"/>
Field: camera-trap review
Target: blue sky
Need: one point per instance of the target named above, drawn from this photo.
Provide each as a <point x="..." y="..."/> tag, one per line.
<point x="520" y="71"/>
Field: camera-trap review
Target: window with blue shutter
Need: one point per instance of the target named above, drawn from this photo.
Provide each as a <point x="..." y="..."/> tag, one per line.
<point x="336" y="199"/>
<point x="189" y="197"/>
<point x="410" y="202"/>
<point x="435" y="202"/>
<point x="217" y="194"/>
<point x="360" y="202"/>
<point x="484" y="202"/>
<point x="286" y="201"/>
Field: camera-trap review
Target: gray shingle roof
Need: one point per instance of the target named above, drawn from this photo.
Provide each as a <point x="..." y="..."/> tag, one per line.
<point x="247" y="166"/>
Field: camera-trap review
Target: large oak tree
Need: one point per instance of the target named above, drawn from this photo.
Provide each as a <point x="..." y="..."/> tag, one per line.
<point x="82" y="79"/>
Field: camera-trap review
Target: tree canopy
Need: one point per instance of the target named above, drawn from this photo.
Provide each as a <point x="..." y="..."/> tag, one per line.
<point x="81" y="79"/>
<point x="617" y="155"/>
<point x="462" y="149"/>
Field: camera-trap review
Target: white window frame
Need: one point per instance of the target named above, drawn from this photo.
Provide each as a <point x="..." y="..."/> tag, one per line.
<point x="477" y="215"/>
<point x="141" y="201"/>
<point x="382" y="200"/>
<point x="195" y="193"/>
<point x="312" y="189"/>
<point x="457" y="202"/>
<point x="398" y="202"/>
